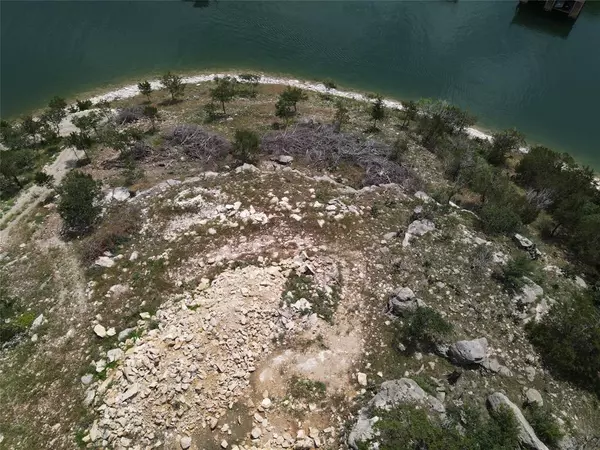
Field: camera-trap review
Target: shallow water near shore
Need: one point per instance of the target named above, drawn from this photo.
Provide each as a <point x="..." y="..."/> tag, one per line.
<point x="508" y="67"/>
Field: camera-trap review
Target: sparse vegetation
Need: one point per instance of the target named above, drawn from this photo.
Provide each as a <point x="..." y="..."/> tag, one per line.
<point x="246" y="146"/>
<point x="302" y="388"/>
<point x="545" y="425"/>
<point x="118" y="227"/>
<point x="568" y="339"/>
<point x="452" y="274"/>
<point x="409" y="428"/>
<point x="423" y="329"/>
<point x="512" y="275"/>
<point x="322" y="303"/>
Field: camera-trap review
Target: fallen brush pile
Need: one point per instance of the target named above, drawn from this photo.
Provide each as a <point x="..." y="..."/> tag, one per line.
<point x="198" y="143"/>
<point x="320" y="146"/>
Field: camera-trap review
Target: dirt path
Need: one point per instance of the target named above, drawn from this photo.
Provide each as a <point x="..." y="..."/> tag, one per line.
<point x="31" y="197"/>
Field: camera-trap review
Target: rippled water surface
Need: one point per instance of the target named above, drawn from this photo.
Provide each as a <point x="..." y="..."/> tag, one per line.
<point x="510" y="67"/>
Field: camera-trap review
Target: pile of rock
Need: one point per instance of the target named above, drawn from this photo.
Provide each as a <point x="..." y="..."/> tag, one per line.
<point x="195" y="365"/>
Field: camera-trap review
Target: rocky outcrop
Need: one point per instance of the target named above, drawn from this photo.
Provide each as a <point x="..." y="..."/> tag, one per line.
<point x="119" y="194"/>
<point x="527" y="436"/>
<point x="391" y="393"/>
<point x="527" y="245"/>
<point x="530" y="292"/>
<point x="417" y="228"/>
<point x="523" y="242"/>
<point x="402" y="301"/>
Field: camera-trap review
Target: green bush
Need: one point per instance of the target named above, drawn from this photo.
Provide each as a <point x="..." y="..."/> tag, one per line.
<point x="499" y="218"/>
<point x="246" y="147"/>
<point x="43" y="179"/>
<point x="423" y="328"/>
<point x="513" y="272"/>
<point x="544" y="424"/>
<point x="568" y="340"/>
<point x="8" y="331"/>
<point x="408" y="428"/>
<point x="79" y="202"/>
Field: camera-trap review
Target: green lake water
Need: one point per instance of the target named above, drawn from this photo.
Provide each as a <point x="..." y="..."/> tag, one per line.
<point x="509" y="67"/>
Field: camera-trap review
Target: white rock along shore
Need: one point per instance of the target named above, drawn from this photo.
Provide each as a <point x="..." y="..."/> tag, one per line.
<point x="132" y="90"/>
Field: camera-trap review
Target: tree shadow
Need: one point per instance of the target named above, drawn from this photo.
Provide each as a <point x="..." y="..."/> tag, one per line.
<point x="170" y="102"/>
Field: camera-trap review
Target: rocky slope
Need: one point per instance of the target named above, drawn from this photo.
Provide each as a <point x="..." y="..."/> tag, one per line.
<point x="257" y="307"/>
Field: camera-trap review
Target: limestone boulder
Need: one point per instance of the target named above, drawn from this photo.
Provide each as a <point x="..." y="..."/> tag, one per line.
<point x="469" y="352"/>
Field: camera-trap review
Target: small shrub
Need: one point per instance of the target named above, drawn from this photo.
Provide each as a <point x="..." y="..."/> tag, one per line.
<point x="53" y="150"/>
<point x="512" y="274"/>
<point x="246" y="147"/>
<point x="544" y="424"/>
<point x="83" y="105"/>
<point x="423" y="328"/>
<point x="8" y="331"/>
<point x="174" y="84"/>
<point x="211" y="113"/>
<point x="527" y="212"/>
<point x="329" y="84"/>
<point x="481" y="259"/>
<point x="118" y="227"/>
<point x="131" y="171"/>
<point x="441" y="195"/>
<point x="399" y="149"/>
<point x="43" y="179"/>
<point x="303" y="388"/>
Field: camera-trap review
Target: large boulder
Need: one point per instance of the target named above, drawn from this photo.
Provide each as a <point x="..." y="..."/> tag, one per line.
<point x="526" y="434"/>
<point x="468" y="352"/>
<point x="391" y="394"/>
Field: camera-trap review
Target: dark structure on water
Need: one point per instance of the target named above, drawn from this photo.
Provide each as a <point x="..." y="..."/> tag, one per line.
<point x="571" y="8"/>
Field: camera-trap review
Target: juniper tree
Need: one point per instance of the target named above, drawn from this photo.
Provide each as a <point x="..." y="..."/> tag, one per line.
<point x="341" y="116"/>
<point x="377" y="111"/>
<point x="293" y="95"/>
<point x="174" y="84"/>
<point x="224" y="91"/>
<point x="145" y="89"/>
